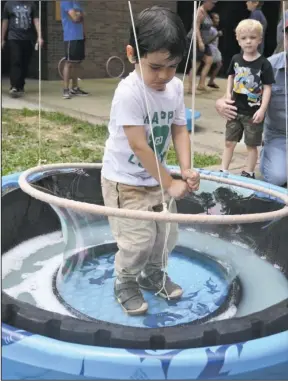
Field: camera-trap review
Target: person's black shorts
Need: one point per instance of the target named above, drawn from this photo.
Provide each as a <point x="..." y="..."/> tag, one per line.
<point x="75" y="50"/>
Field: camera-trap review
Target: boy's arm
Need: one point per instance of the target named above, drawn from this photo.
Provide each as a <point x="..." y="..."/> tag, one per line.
<point x="267" y="90"/>
<point x="137" y="139"/>
<point x="229" y="89"/>
<point x="182" y="145"/>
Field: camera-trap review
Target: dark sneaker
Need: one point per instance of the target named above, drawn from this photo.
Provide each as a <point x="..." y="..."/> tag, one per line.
<point x="78" y="91"/>
<point x="14" y="93"/>
<point x="246" y="174"/>
<point x="154" y="282"/>
<point x="66" y="94"/>
<point x="130" y="297"/>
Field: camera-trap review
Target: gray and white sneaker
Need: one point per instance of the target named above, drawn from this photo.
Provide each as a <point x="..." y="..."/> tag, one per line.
<point x="66" y="94"/>
<point x="154" y="282"/>
<point x="78" y="92"/>
<point x="14" y="93"/>
<point x="130" y="297"/>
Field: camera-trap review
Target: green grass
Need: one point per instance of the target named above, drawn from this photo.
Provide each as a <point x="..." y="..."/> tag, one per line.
<point x="63" y="139"/>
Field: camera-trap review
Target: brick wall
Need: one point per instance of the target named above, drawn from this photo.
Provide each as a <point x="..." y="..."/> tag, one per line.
<point x="107" y="25"/>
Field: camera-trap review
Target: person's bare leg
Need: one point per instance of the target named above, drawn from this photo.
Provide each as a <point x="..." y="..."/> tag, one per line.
<point x="214" y="74"/>
<point x="67" y="74"/>
<point x="227" y="154"/>
<point x="190" y="83"/>
<point x="74" y="74"/>
<point x="251" y="159"/>
<point x="208" y="61"/>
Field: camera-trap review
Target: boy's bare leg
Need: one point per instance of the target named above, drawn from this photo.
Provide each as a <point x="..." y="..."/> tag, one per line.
<point x="252" y="158"/>
<point x="227" y="154"/>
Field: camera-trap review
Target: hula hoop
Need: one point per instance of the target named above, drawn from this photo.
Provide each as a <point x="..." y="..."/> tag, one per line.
<point x="107" y="66"/>
<point x="59" y="68"/>
<point x="152" y="216"/>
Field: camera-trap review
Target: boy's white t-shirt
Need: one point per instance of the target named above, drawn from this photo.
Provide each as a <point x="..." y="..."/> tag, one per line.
<point x="129" y="109"/>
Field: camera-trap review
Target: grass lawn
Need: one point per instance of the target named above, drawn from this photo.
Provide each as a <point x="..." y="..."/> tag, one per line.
<point x="63" y="139"/>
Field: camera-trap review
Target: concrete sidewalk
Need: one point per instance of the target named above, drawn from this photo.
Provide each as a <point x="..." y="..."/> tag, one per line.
<point x="209" y="129"/>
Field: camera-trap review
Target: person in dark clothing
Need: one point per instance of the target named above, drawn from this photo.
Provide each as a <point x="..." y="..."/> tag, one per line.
<point x="255" y="7"/>
<point x="20" y="19"/>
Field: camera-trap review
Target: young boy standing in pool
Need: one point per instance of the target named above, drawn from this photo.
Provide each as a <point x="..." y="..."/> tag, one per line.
<point x="250" y="79"/>
<point x="130" y="177"/>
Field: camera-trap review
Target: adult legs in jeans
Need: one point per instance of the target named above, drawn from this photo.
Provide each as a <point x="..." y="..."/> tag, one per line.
<point x="273" y="161"/>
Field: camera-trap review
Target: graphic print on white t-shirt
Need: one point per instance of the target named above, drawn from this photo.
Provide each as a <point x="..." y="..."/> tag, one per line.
<point x="161" y="122"/>
<point x="120" y="164"/>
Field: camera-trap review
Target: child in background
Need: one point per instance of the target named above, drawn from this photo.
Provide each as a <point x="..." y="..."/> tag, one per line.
<point x="214" y="47"/>
<point x="250" y="79"/>
<point x="130" y="178"/>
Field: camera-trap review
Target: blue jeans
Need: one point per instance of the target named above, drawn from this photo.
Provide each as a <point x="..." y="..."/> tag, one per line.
<point x="273" y="161"/>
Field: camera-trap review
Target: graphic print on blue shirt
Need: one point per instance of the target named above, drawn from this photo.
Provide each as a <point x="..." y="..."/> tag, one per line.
<point x="71" y="30"/>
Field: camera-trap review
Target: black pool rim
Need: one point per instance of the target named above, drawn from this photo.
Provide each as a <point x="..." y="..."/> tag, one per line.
<point x="24" y="316"/>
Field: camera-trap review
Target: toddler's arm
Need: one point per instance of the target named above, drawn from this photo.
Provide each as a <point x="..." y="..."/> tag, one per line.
<point x="229" y="89"/>
<point x="181" y="141"/>
<point x="137" y="139"/>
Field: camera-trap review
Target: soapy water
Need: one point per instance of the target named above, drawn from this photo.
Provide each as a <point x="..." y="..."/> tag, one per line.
<point x="28" y="269"/>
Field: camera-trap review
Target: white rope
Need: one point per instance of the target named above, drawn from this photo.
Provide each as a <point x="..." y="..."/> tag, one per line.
<point x="166" y="208"/>
<point x="190" y="47"/>
<point x="286" y="96"/>
<point x="148" y="109"/>
<point x="194" y="63"/>
<point x="38" y="46"/>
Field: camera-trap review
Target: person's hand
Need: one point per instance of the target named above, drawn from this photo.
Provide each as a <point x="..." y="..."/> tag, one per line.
<point x="40" y="41"/>
<point x="259" y="116"/>
<point x="192" y="178"/>
<point x="226" y="108"/>
<point x="2" y="44"/>
<point x="177" y="189"/>
<point x="220" y="33"/>
<point x="201" y="47"/>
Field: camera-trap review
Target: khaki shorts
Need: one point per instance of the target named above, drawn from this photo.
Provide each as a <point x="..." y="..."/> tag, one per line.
<point x="140" y="243"/>
<point x="244" y="124"/>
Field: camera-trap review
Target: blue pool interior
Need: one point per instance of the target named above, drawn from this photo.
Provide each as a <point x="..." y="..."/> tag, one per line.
<point x="28" y="355"/>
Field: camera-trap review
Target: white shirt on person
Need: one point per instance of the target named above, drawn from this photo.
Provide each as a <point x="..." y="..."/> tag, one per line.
<point x="129" y="109"/>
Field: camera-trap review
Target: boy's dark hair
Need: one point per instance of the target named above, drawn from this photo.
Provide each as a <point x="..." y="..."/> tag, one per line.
<point x="159" y="28"/>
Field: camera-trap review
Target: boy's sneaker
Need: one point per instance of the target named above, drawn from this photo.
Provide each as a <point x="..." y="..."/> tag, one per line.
<point x="66" y="94"/>
<point x="14" y="93"/>
<point x="78" y="91"/>
<point x="246" y="174"/>
<point x="154" y="282"/>
<point x="130" y="297"/>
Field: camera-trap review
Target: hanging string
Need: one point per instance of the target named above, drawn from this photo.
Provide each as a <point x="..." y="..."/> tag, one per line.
<point x="147" y="107"/>
<point x="190" y="46"/>
<point x="38" y="46"/>
<point x="193" y="43"/>
<point x="286" y="96"/>
<point x="194" y="63"/>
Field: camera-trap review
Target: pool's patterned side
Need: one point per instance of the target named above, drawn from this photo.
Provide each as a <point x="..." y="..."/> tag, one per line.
<point x="28" y="356"/>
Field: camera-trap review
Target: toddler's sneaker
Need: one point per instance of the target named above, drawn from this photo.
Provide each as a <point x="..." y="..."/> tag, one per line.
<point x="154" y="282"/>
<point x="248" y="175"/>
<point x="130" y="297"/>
